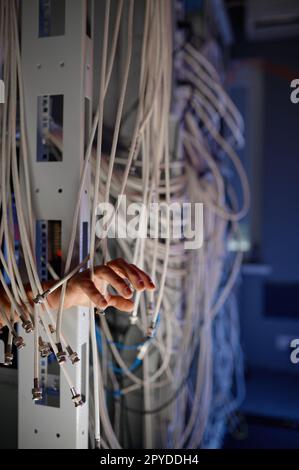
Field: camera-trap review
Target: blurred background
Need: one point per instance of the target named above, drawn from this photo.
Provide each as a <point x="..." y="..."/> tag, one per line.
<point x="265" y="59"/>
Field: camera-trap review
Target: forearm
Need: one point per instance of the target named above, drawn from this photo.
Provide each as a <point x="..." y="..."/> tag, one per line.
<point x="5" y="304"/>
<point x="82" y="290"/>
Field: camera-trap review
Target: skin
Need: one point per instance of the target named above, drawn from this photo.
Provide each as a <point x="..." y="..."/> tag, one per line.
<point x="81" y="290"/>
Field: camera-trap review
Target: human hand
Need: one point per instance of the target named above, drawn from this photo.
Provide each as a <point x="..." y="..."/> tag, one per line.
<point x="118" y="273"/>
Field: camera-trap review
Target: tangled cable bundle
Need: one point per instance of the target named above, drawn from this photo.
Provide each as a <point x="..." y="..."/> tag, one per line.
<point x="185" y="361"/>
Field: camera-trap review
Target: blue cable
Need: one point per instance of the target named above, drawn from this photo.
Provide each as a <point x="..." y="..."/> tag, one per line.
<point x="123" y="347"/>
<point x="118" y="370"/>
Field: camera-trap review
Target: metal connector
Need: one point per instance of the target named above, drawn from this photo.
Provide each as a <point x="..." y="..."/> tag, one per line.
<point x="151" y="331"/>
<point x="73" y="356"/>
<point x="61" y="355"/>
<point x="101" y="312"/>
<point x="40" y="298"/>
<point x="8" y="356"/>
<point x="97" y="443"/>
<point x="28" y="326"/>
<point x="19" y="342"/>
<point x="143" y="350"/>
<point x="46" y="352"/>
<point x="44" y="348"/>
<point x="133" y="171"/>
<point x="133" y="320"/>
<point x="37" y="394"/>
<point x="8" y="360"/>
<point x="52" y="329"/>
<point x="76" y="398"/>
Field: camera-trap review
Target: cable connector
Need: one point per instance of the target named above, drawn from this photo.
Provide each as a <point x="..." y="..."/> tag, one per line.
<point x="133" y="171"/>
<point x="117" y="393"/>
<point x="133" y="320"/>
<point x="37" y="394"/>
<point x="40" y="298"/>
<point x="97" y="443"/>
<point x="152" y="329"/>
<point x="73" y="356"/>
<point x="143" y="350"/>
<point x="61" y="355"/>
<point x="28" y="326"/>
<point x="100" y="312"/>
<point x="19" y="342"/>
<point x="44" y="348"/>
<point x="76" y="398"/>
<point x="52" y="329"/>
<point x="8" y="356"/>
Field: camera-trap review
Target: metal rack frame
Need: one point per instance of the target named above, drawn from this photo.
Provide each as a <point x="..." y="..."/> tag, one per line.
<point x="58" y="65"/>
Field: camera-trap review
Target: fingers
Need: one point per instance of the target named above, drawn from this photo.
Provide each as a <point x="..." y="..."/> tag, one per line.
<point x="111" y="277"/>
<point x="125" y="305"/>
<point x="115" y="273"/>
<point x="90" y="290"/>
<point x="139" y="279"/>
<point x="149" y="285"/>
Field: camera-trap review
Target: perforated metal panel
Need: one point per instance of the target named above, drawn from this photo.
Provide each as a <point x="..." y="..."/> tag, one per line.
<point x="57" y="63"/>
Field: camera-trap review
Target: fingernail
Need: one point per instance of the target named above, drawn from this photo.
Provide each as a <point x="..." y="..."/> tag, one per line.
<point x="128" y="290"/>
<point x="140" y="283"/>
<point x="152" y="285"/>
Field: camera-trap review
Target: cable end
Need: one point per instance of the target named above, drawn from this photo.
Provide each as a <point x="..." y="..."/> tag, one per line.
<point x="40" y="298"/>
<point x="28" y="326"/>
<point x="76" y="398"/>
<point x="8" y="356"/>
<point x="73" y="356"/>
<point x="19" y="342"/>
<point x="37" y="394"/>
<point x="101" y="312"/>
<point x="133" y="320"/>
